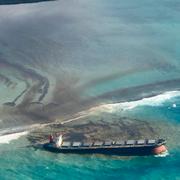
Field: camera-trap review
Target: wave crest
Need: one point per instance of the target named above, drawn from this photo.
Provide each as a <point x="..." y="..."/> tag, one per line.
<point x="6" y="139"/>
<point x="150" y="101"/>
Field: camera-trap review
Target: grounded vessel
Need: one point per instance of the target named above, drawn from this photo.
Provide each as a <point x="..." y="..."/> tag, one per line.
<point x="122" y="148"/>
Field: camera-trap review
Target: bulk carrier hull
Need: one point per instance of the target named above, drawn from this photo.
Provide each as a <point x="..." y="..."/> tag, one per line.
<point x="112" y="149"/>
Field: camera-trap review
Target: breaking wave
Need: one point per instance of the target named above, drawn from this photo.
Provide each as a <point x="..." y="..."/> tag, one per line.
<point x="166" y="153"/>
<point x="6" y="139"/>
<point x="157" y="100"/>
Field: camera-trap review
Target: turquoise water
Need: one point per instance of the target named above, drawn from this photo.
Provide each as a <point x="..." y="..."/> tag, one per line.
<point x="167" y="111"/>
<point x="19" y="162"/>
<point x="86" y="48"/>
<point x="29" y="164"/>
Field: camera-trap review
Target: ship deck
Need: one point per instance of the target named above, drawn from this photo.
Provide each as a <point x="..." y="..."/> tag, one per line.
<point x="107" y="144"/>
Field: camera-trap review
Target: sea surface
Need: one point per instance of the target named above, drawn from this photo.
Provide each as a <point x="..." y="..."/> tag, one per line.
<point x="59" y="58"/>
<point x="21" y="162"/>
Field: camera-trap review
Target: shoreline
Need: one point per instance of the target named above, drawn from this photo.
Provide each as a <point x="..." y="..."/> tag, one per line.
<point x="8" y="135"/>
<point x="6" y="139"/>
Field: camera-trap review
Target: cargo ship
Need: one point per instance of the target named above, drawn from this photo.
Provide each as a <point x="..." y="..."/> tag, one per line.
<point x="140" y="147"/>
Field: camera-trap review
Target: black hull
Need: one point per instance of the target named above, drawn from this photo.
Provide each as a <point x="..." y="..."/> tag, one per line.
<point x="121" y="151"/>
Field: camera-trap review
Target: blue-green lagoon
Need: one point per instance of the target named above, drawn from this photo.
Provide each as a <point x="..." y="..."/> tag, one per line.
<point x="89" y="60"/>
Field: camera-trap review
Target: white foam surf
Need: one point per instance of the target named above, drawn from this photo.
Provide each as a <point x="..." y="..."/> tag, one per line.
<point x="164" y="154"/>
<point x="6" y="139"/>
<point x="157" y="100"/>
